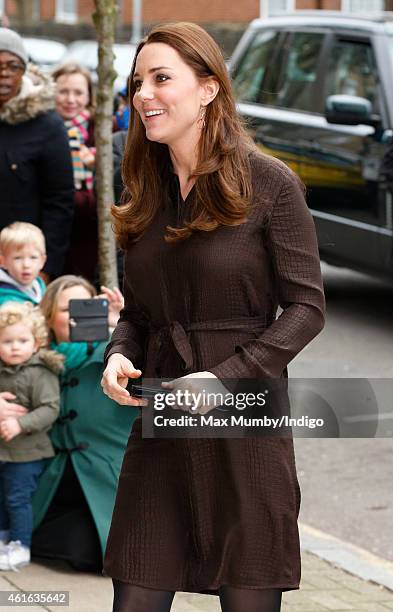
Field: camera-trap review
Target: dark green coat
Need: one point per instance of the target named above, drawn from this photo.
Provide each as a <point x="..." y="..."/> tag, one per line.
<point x="92" y="430"/>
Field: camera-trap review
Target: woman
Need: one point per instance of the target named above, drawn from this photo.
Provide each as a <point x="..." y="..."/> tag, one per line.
<point x="216" y="236"/>
<point x="75" y="104"/>
<point x="75" y="496"/>
<point x="35" y="162"/>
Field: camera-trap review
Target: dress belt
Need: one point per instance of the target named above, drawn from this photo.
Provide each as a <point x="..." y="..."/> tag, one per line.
<point x="178" y="333"/>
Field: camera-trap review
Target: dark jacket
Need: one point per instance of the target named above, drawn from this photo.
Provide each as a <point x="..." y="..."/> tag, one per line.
<point x="35" y="166"/>
<point x="36" y="386"/>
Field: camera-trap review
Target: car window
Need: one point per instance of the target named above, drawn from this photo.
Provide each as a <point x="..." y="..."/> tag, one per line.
<point x="297" y="85"/>
<point x="352" y="71"/>
<point x="249" y="74"/>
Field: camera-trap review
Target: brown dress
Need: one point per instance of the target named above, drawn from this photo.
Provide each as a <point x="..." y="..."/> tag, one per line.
<point x="196" y="514"/>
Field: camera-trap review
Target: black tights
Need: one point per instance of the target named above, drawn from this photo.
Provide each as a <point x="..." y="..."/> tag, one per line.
<point x="131" y="598"/>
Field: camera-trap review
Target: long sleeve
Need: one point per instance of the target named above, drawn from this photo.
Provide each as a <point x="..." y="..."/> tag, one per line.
<point x="293" y="249"/>
<point x="130" y="333"/>
<point x="56" y="194"/>
<point x="45" y="401"/>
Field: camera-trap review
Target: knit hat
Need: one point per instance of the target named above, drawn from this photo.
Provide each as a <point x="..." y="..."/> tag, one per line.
<point x="11" y="41"/>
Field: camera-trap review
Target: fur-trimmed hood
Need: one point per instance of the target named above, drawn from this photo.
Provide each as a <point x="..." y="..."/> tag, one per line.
<point x="52" y="360"/>
<point x="37" y="96"/>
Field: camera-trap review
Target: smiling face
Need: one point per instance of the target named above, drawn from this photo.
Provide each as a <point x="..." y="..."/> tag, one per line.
<point x="17" y="344"/>
<point x="11" y="73"/>
<point x="23" y="263"/>
<point x="61" y="318"/>
<point x="169" y="95"/>
<point x="72" y="95"/>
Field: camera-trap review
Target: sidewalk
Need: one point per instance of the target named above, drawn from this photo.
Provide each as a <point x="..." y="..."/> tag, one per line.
<point x="324" y="587"/>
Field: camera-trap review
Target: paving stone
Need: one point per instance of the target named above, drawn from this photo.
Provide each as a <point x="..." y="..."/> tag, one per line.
<point x="335" y="573"/>
<point x="188" y="602"/>
<point x="330" y="601"/>
<point x="323" y="588"/>
<point x="368" y="589"/>
<point x="319" y="581"/>
<point x="311" y="607"/>
<point x="297" y="597"/>
<point x="306" y="585"/>
<point x="5" y="585"/>
<point x="88" y="592"/>
<point x="350" y="596"/>
<point x="358" y="585"/>
<point x="372" y="607"/>
<point x="309" y="561"/>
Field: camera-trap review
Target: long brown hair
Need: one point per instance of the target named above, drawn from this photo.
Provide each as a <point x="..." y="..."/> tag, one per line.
<point x="223" y="185"/>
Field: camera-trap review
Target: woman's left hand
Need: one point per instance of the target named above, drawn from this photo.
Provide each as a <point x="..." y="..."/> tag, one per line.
<point x="199" y="392"/>
<point x="116" y="304"/>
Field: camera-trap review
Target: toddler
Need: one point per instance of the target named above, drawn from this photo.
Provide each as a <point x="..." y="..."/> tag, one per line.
<point x="31" y="374"/>
<point x="22" y="257"/>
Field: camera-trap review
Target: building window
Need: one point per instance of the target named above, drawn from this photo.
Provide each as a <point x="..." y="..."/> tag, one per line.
<point x="357" y="6"/>
<point x="36" y="10"/>
<point x="279" y="6"/>
<point x="66" y="11"/>
<point x="272" y="7"/>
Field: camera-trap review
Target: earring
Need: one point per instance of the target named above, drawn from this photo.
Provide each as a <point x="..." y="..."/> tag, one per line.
<point x="202" y="115"/>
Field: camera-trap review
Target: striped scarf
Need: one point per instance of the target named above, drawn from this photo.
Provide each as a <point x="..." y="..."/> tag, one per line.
<point x="77" y="129"/>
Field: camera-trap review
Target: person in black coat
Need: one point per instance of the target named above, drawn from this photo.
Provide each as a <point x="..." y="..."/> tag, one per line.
<point x="35" y="162"/>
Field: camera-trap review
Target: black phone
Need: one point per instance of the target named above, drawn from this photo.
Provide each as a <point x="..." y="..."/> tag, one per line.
<point x="89" y="320"/>
<point x="141" y="391"/>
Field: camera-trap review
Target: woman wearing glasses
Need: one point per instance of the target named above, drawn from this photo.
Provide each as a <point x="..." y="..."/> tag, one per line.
<point x="35" y="162"/>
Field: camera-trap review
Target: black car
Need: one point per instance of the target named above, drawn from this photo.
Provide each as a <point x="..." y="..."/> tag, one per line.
<point x="316" y="89"/>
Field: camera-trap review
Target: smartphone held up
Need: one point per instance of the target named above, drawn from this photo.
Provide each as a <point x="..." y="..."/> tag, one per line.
<point x="89" y="320"/>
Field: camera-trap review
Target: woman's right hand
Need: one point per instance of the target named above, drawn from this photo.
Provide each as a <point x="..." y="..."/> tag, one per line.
<point x="8" y="408"/>
<point x="115" y="380"/>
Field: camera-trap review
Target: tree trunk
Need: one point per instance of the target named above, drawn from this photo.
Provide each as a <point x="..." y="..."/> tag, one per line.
<point x="104" y="20"/>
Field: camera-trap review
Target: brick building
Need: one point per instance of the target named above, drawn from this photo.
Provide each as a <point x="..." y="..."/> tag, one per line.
<point x="201" y="11"/>
<point x="224" y="19"/>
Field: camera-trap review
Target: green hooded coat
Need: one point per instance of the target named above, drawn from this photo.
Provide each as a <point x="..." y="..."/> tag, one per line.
<point x="93" y="431"/>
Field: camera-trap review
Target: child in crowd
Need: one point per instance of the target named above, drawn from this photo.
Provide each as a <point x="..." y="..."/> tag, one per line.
<point x="22" y="257"/>
<point x="31" y="374"/>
